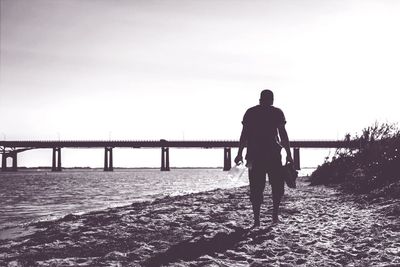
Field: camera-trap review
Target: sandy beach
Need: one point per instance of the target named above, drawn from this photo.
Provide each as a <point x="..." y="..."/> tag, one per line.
<point x="320" y="227"/>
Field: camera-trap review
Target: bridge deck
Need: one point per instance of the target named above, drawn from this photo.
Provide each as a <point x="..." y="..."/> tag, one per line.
<point x="164" y="143"/>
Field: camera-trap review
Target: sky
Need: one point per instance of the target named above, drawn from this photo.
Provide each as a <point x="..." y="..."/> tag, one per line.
<point x="186" y="69"/>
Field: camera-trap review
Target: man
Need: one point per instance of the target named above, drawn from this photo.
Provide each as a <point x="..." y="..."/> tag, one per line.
<point x="261" y="126"/>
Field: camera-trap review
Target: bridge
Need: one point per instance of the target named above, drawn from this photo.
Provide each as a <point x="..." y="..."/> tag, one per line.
<point x="10" y="149"/>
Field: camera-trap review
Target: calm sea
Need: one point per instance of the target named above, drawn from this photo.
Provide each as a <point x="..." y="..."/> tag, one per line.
<point x="28" y="196"/>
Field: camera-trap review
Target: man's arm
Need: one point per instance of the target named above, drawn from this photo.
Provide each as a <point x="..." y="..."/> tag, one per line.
<point x="242" y="144"/>
<point x="285" y="143"/>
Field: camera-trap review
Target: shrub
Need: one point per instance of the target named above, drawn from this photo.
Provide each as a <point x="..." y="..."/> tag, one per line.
<point x="375" y="164"/>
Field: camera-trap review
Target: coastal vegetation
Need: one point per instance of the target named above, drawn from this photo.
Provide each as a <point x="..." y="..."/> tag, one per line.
<point x="373" y="168"/>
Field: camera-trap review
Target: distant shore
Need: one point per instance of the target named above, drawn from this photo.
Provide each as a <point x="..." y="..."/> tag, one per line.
<point x="320" y="227"/>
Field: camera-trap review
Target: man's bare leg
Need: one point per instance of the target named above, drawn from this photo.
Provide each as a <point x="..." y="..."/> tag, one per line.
<point x="256" y="213"/>
<point x="275" y="210"/>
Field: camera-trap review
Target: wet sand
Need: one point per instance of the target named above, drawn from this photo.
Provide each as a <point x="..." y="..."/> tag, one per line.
<point x="320" y="227"/>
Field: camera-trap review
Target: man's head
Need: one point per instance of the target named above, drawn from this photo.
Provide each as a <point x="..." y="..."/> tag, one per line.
<point x="267" y="98"/>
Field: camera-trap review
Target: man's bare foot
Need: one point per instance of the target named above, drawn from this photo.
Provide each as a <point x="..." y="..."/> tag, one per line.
<point x="275" y="219"/>
<point x="256" y="224"/>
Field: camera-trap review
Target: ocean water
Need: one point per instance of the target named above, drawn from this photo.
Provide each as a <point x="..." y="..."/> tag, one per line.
<point x="28" y="196"/>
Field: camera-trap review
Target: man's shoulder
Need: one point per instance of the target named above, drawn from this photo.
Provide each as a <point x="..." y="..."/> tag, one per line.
<point x="259" y="107"/>
<point x="260" y="112"/>
<point x="252" y="109"/>
<point x="277" y="110"/>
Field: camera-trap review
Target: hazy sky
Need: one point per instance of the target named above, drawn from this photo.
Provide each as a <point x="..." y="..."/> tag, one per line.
<point x="91" y="69"/>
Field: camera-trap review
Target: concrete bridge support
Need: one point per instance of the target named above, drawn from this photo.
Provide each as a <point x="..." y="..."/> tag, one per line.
<point x="56" y="165"/>
<point x="14" y="156"/>
<point x="3" y="162"/>
<point x="296" y="158"/>
<point x="227" y="159"/>
<point x="14" y="167"/>
<point x="165" y="159"/>
<point x="108" y="159"/>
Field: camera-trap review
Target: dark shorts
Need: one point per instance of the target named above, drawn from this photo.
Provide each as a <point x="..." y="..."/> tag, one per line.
<point x="257" y="177"/>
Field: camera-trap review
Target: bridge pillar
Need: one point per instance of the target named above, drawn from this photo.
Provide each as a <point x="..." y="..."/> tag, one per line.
<point x="108" y="159"/>
<point x="59" y="160"/>
<point x="227" y="159"/>
<point x="111" y="166"/>
<point x="14" y="167"/>
<point x="14" y="157"/>
<point x="165" y="159"/>
<point x="56" y="162"/>
<point x="4" y="162"/>
<point x="53" y="163"/>
<point x="296" y="158"/>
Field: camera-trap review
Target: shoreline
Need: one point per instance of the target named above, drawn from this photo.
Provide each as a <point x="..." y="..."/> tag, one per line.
<point x="32" y="196"/>
<point x="321" y="226"/>
<point x="27" y="228"/>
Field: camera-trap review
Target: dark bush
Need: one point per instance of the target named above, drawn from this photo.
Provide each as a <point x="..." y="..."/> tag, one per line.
<point x="374" y="165"/>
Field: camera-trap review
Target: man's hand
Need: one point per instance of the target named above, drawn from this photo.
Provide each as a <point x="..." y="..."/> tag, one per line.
<point x="238" y="159"/>
<point x="289" y="159"/>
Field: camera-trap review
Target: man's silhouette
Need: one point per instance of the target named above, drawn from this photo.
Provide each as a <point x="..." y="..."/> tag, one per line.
<point x="262" y="126"/>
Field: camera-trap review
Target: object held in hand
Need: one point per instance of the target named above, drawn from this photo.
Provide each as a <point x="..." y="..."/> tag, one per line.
<point x="236" y="171"/>
<point x="289" y="175"/>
